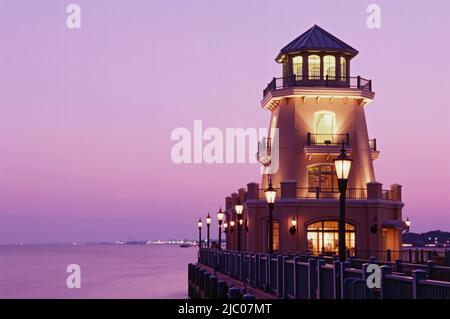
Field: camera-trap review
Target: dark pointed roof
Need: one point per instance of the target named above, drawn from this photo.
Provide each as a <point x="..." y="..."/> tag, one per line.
<point x="317" y="38"/>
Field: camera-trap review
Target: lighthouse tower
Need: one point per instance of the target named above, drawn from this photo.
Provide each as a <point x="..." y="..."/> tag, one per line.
<point x="317" y="107"/>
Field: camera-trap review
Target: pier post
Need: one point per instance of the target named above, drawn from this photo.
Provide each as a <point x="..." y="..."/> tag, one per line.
<point x="296" y="290"/>
<point x="385" y="270"/>
<point x="431" y="267"/>
<point x="206" y="284"/>
<point x="320" y="263"/>
<point x="417" y="276"/>
<point x="221" y="289"/>
<point x="367" y="292"/>
<point x="212" y="287"/>
<point x="281" y="267"/>
<point x="336" y="278"/>
<point x="190" y="271"/>
<point x="258" y="270"/>
<point x="234" y="293"/>
<point x="242" y="266"/>
<point x="312" y="278"/>
<point x="398" y="265"/>
<point x="447" y="257"/>
<point x="269" y="266"/>
<point x="344" y="266"/>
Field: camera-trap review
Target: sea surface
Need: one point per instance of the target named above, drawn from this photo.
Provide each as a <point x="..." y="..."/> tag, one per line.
<point x="107" y="271"/>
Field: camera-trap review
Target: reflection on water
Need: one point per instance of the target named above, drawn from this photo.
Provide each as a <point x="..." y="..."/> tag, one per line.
<point x="107" y="271"/>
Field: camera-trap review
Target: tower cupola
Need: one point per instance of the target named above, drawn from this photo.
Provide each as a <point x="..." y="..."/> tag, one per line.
<point x="316" y="55"/>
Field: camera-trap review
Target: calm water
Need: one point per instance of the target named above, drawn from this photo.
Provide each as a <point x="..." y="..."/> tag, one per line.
<point x="131" y="271"/>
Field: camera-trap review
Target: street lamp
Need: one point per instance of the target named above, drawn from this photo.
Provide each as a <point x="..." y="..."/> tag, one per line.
<point x="232" y="222"/>
<point x="208" y="223"/>
<point x="239" y="208"/>
<point x="199" y="224"/>
<point x="220" y="216"/>
<point x="270" y="193"/>
<point x="342" y="165"/>
<point x="408" y="224"/>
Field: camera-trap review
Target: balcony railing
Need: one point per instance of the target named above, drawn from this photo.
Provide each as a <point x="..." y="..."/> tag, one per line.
<point x="329" y="193"/>
<point x="317" y="81"/>
<point x="328" y="139"/>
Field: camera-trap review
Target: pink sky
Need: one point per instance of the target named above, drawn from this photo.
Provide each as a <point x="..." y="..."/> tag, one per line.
<point x="86" y="115"/>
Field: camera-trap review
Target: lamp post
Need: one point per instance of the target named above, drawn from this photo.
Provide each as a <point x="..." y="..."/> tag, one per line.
<point x="199" y="224"/>
<point x="408" y="224"/>
<point x="270" y="198"/>
<point x="220" y="216"/>
<point x="232" y="222"/>
<point x="239" y="208"/>
<point x="208" y="223"/>
<point x="342" y="165"/>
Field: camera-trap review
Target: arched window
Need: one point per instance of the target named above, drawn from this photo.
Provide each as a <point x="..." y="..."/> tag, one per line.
<point x="329" y="67"/>
<point x="324" y="177"/>
<point x="324" y="127"/>
<point x="323" y="237"/>
<point x="343" y="68"/>
<point x="297" y="67"/>
<point x="314" y="67"/>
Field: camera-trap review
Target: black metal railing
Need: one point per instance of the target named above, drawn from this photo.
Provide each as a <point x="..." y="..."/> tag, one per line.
<point x="327" y="139"/>
<point x="330" y="193"/>
<point x="305" y="276"/>
<point x="318" y="81"/>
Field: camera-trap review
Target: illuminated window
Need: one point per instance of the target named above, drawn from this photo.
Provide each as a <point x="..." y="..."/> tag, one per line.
<point x="329" y="66"/>
<point x="343" y="68"/>
<point x="275" y="234"/>
<point x="314" y="67"/>
<point x="324" y="177"/>
<point x="323" y="237"/>
<point x="297" y="67"/>
<point x="324" y="127"/>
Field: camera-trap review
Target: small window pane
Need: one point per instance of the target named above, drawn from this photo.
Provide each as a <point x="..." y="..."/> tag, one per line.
<point x="343" y="68"/>
<point x="297" y="65"/>
<point x="329" y="65"/>
<point x="314" y="67"/>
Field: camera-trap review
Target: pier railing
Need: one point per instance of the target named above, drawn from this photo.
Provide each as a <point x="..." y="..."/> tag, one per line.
<point x="304" y="276"/>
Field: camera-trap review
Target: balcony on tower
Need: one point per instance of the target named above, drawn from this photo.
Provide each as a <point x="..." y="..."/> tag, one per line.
<point x="320" y="144"/>
<point x="264" y="155"/>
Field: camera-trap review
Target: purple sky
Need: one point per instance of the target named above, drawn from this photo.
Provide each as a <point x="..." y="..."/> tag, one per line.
<point x="86" y="115"/>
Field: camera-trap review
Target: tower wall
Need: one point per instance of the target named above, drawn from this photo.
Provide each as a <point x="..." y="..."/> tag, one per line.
<point x="295" y="119"/>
